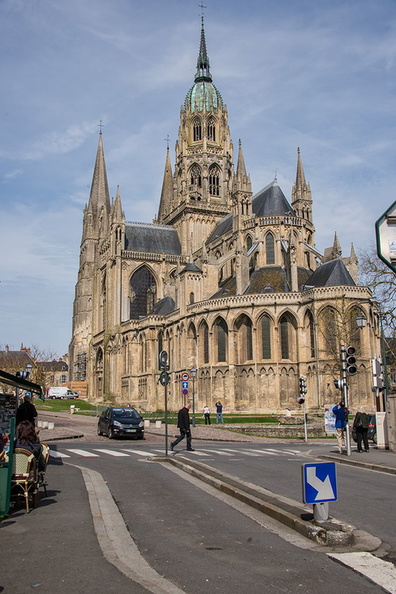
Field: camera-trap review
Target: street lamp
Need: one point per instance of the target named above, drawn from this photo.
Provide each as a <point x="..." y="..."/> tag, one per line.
<point x="361" y="321"/>
<point x="193" y="372"/>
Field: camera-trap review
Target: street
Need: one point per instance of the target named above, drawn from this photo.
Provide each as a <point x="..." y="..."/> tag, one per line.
<point x="198" y="541"/>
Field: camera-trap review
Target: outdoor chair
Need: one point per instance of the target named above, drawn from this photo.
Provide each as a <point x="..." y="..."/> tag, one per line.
<point x="24" y="479"/>
<point x="45" y="451"/>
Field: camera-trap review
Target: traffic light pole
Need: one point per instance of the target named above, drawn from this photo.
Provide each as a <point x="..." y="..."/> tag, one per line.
<point x="345" y="397"/>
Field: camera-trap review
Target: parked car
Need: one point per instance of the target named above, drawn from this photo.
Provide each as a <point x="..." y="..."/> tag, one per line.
<point x="121" y="421"/>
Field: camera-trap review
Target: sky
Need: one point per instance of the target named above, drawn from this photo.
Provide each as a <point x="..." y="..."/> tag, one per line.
<point x="293" y="73"/>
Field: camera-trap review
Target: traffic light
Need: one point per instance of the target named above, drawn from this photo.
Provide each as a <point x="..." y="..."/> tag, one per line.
<point x="163" y="361"/>
<point x="303" y="386"/>
<point x="300" y="400"/>
<point x="350" y="360"/>
<point x="339" y="384"/>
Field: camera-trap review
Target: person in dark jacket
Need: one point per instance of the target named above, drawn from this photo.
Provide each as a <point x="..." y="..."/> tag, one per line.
<point x="183" y="423"/>
<point x="26" y="411"/>
<point x="27" y="438"/>
<point x="361" y="425"/>
<point x="341" y="419"/>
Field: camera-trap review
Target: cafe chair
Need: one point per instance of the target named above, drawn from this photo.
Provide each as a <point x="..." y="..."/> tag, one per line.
<point x="24" y="479"/>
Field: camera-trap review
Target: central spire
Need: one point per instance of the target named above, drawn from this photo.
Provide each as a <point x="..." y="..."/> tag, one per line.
<point x="203" y="72"/>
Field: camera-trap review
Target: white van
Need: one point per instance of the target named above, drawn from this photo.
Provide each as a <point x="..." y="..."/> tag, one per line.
<point x="61" y="392"/>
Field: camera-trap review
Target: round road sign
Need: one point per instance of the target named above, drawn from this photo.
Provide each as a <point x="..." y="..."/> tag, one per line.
<point x="185" y="377"/>
<point x="185" y="391"/>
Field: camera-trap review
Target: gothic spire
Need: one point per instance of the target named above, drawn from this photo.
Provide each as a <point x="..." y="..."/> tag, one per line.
<point x="99" y="197"/>
<point x="167" y="190"/>
<point x="301" y="192"/>
<point x="241" y="169"/>
<point x="203" y="72"/>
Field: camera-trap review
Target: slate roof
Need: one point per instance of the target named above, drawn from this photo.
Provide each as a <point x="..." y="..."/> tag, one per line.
<point x="191" y="267"/>
<point x="152" y="239"/>
<point x="163" y="307"/>
<point x="333" y="273"/>
<point x="270" y="201"/>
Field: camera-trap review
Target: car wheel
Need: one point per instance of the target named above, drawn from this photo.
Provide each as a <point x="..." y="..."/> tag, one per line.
<point x="99" y="431"/>
<point x="110" y="433"/>
<point x="375" y="438"/>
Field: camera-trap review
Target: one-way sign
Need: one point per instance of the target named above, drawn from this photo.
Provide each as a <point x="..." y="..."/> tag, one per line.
<point x="319" y="482"/>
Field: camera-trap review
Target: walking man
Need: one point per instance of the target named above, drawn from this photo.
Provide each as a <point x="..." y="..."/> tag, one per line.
<point x="183" y="423"/>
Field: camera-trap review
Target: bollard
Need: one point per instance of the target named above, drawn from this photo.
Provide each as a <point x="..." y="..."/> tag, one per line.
<point x="45" y="425"/>
<point x="51" y="425"/>
<point x="72" y="407"/>
<point x="147" y="423"/>
<point x="321" y="512"/>
<point x="158" y="424"/>
<point x="39" y="423"/>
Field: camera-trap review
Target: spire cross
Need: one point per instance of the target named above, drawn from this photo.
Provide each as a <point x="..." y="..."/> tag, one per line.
<point x="202" y="6"/>
<point x="167" y="140"/>
<point x="100" y="126"/>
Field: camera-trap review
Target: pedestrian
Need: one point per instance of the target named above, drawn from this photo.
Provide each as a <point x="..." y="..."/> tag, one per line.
<point x="26" y="411"/>
<point x="183" y="423"/>
<point x="206" y="414"/>
<point x="27" y="438"/>
<point x="341" y="415"/>
<point x="219" y="412"/>
<point x="361" y="425"/>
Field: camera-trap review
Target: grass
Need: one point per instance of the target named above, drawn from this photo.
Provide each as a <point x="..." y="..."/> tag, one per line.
<point x="63" y="405"/>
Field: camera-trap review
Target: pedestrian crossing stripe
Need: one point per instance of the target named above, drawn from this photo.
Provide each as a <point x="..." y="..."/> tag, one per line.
<point x="204" y="452"/>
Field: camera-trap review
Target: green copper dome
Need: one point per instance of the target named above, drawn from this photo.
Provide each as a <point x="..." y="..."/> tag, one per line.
<point x="203" y="95"/>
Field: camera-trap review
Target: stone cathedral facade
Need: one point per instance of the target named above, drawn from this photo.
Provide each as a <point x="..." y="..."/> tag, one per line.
<point x="227" y="281"/>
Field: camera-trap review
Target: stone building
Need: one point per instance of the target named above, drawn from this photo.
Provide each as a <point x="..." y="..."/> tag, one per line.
<point x="228" y="282"/>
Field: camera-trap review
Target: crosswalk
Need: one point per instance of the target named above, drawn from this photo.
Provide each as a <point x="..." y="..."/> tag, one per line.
<point x="227" y="452"/>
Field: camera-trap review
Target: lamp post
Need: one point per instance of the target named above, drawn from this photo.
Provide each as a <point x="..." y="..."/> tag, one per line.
<point x="193" y="372"/>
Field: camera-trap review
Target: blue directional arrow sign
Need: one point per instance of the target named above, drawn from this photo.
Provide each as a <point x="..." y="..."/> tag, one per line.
<point x="185" y="385"/>
<point x="319" y="482"/>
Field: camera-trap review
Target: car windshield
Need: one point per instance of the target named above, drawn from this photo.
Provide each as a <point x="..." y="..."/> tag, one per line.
<point x="125" y="413"/>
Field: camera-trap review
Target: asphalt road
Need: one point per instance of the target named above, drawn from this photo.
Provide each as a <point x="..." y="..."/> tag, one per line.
<point x="195" y="538"/>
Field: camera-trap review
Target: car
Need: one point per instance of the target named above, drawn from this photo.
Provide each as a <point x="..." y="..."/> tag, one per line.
<point x="121" y="421"/>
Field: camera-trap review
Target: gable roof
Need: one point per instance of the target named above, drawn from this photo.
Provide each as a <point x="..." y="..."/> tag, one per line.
<point x="333" y="273"/>
<point x="152" y="239"/>
<point x="271" y="201"/>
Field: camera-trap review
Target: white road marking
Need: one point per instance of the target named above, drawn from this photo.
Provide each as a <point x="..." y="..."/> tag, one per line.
<point x="55" y="454"/>
<point x="219" y="452"/>
<point x="111" y="452"/>
<point x="267" y="452"/>
<point x="140" y="452"/>
<point x="83" y="453"/>
<point x="378" y="571"/>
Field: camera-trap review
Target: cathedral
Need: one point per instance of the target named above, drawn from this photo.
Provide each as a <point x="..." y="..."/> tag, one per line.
<point x="228" y="282"/>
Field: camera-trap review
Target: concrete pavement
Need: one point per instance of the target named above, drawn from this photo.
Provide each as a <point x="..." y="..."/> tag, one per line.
<point x="44" y="549"/>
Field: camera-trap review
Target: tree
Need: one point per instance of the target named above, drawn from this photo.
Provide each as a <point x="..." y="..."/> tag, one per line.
<point x="382" y="281"/>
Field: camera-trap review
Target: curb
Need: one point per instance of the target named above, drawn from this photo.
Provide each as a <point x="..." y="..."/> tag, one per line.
<point x="332" y="533"/>
<point x="365" y="465"/>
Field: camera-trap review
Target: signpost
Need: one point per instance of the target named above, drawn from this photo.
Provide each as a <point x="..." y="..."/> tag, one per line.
<point x="319" y="487"/>
<point x="385" y="230"/>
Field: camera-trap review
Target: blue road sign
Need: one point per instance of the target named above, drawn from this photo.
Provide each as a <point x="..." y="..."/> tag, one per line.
<point x="185" y="385"/>
<point x="319" y="482"/>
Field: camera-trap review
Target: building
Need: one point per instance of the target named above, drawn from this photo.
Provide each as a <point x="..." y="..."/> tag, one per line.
<point x="228" y="282"/>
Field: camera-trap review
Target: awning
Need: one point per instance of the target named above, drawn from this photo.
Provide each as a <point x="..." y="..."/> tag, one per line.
<point x="18" y="382"/>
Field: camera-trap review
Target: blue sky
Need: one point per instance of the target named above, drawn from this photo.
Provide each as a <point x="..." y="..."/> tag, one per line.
<point x="293" y="73"/>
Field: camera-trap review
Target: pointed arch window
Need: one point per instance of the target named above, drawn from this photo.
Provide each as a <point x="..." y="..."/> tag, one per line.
<point x="266" y="337"/>
<point x="143" y="293"/>
<point x="284" y="335"/>
<point x="245" y="339"/>
<point x="214" y="181"/>
<point x="222" y="340"/>
<point x="311" y="333"/>
<point x="197" y="129"/>
<point x="270" y="249"/>
<point x="204" y="343"/>
<point x="195" y="176"/>
<point x="211" y="129"/>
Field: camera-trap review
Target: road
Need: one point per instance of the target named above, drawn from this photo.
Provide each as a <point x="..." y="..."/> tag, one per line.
<point x="204" y="542"/>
